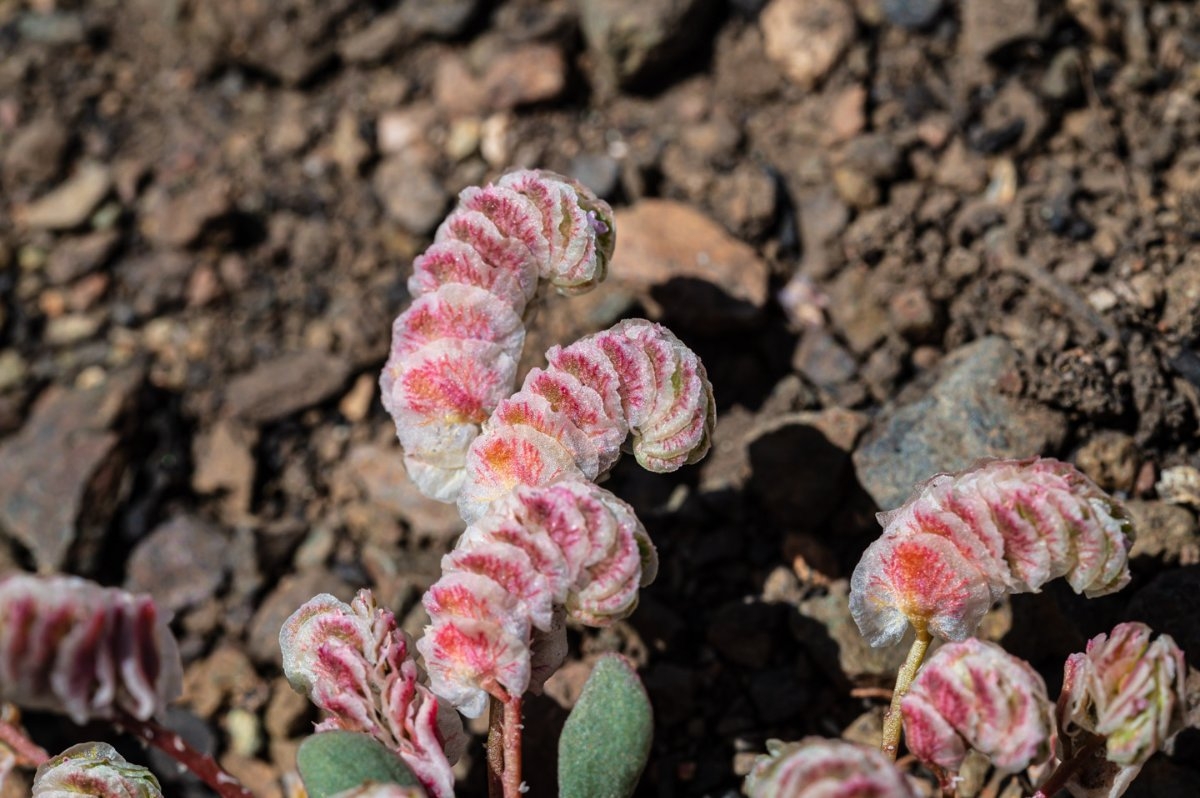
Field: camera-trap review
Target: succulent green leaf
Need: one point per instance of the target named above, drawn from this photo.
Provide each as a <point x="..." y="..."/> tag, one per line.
<point x="335" y="761"/>
<point x="606" y="739"/>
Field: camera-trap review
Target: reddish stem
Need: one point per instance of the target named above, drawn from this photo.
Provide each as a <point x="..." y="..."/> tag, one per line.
<point x="1065" y="770"/>
<point x="202" y="765"/>
<point x="512" y="747"/>
<point x="29" y="753"/>
<point x="495" y="749"/>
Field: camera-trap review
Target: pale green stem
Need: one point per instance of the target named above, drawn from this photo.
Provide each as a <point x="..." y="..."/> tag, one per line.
<point x="892" y="721"/>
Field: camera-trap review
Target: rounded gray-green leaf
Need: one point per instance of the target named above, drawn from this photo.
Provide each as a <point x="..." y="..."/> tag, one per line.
<point x="338" y="761"/>
<point x="606" y="739"/>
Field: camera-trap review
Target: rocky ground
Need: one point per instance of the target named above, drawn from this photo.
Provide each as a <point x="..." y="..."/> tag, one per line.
<point x="903" y="235"/>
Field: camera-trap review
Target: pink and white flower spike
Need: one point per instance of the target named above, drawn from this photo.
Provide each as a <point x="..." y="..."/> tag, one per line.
<point x="69" y="645"/>
<point x="964" y="540"/>
<point x="570" y="420"/>
<point x="976" y="695"/>
<point x="455" y="350"/>
<point x="571" y="546"/>
<point x="353" y="662"/>
<point x="93" y="769"/>
<point x="819" y="768"/>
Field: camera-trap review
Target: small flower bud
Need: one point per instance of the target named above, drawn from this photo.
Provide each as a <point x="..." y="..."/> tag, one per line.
<point x="817" y="768"/>
<point x="93" y="769"/>
<point x="975" y="694"/>
<point x="1126" y="689"/>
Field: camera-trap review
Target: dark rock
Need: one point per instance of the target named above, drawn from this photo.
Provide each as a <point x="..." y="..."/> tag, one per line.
<point x="913" y="14"/>
<point x="62" y="475"/>
<point x="262" y="635"/>
<point x="913" y="315"/>
<point x="634" y="39"/>
<point x="156" y="281"/>
<point x="822" y="360"/>
<point x="181" y="563"/>
<point x="801" y="464"/>
<point x="745" y="632"/>
<point x="1170" y="604"/>
<point x="780" y="693"/>
<point x="35" y="154"/>
<point x="965" y="416"/>
<point x="444" y="19"/>
<point x="410" y="194"/>
<point x="745" y="200"/>
<point x="76" y="257"/>
<point x="289" y="383"/>
<point x="178" y="221"/>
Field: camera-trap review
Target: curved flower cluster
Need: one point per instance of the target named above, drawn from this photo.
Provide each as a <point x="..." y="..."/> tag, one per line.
<point x="569" y="545"/>
<point x="455" y="350"/>
<point x="1126" y="689"/>
<point x="352" y="662"/>
<point x="975" y="694"/>
<point x="93" y="769"/>
<point x="69" y="645"/>
<point x="569" y="420"/>
<point x="963" y="540"/>
<point x="818" y="768"/>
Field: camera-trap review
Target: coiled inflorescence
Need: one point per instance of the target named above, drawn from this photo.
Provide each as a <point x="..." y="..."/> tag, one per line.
<point x="353" y="662"/>
<point x="817" y="768"/>
<point x="974" y="694"/>
<point x="963" y="540"/>
<point x="1128" y="690"/>
<point x="68" y="645"/>
<point x="570" y="420"/>
<point x="455" y="350"/>
<point x="570" y="545"/>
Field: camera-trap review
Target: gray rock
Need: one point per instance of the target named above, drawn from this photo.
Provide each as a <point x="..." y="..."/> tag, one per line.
<point x="911" y="13"/>
<point x="634" y="39"/>
<point x="36" y="153"/>
<point x="844" y="650"/>
<point x="1164" y="531"/>
<point x="379" y="472"/>
<point x="410" y="194"/>
<point x="62" y="475"/>
<point x="444" y="19"/>
<point x="965" y="416"/>
<point x="181" y="563"/>
<point x="179" y="220"/>
<point x="289" y="383"/>
<point x="598" y="172"/>
<point x="76" y="257"/>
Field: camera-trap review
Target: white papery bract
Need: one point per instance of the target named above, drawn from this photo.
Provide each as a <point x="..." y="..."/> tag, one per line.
<point x="569" y="547"/>
<point x="353" y="662"/>
<point x="819" y="768"/>
<point x="455" y="350"/>
<point x="974" y="694"/>
<point x="71" y="646"/>
<point x="1002" y="527"/>
<point x="569" y="420"/>
<point x="93" y="769"/>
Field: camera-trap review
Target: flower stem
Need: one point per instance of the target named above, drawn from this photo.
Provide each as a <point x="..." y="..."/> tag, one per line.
<point x="1065" y="770"/>
<point x="202" y="765"/>
<point x="893" y="721"/>
<point x="28" y="753"/>
<point x="512" y="747"/>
